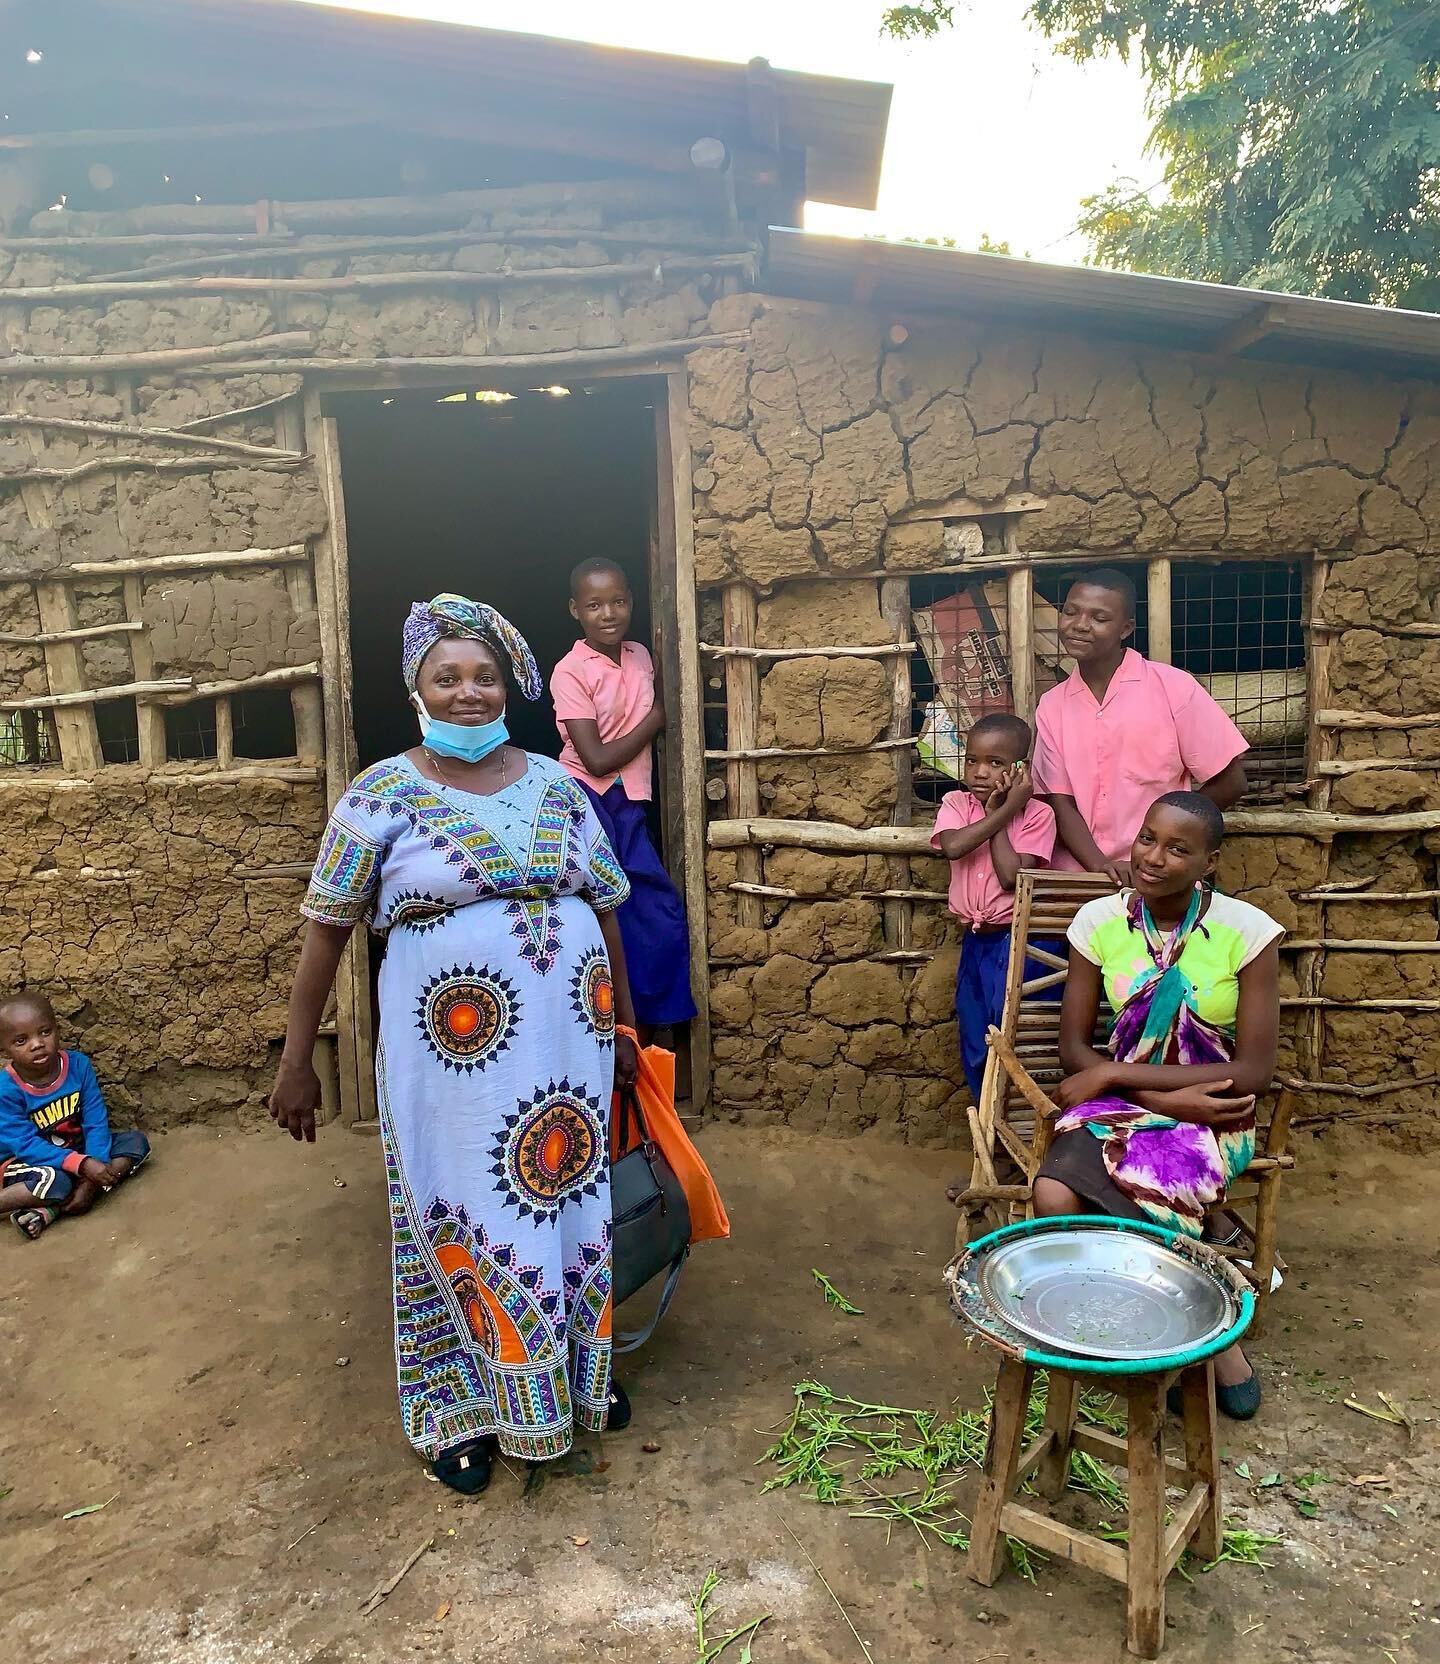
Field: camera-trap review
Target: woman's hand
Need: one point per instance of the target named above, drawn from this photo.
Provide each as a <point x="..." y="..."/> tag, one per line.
<point x="1208" y="1105"/>
<point x="1094" y="1082"/>
<point x="295" y="1099"/>
<point x="627" y="1061"/>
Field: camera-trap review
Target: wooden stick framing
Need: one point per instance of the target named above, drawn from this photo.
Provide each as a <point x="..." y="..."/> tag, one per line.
<point x="161" y="436"/>
<point x="894" y="650"/>
<point x="87" y="294"/>
<point x="97" y="696"/>
<point x="142" y="464"/>
<point x="267" y="250"/>
<point x="757" y="754"/>
<point x="286" y="676"/>
<point x="168" y="358"/>
<point x="525" y="363"/>
<point x="899" y="922"/>
<point x="677" y="519"/>
<point x="83" y="633"/>
<point x="742" y="718"/>
<point x="186" y="563"/>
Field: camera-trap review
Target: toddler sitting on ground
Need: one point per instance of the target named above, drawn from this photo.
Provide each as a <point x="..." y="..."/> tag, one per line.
<point x="57" y="1153"/>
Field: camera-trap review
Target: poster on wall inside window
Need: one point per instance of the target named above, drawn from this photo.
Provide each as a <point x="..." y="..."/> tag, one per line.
<point x="965" y="640"/>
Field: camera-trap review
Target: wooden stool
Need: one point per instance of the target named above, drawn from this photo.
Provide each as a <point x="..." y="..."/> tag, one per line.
<point x="1153" y="1551"/>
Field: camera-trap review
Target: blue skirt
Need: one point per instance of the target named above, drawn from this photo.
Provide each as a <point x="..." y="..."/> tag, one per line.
<point x="980" y="994"/>
<point x="652" y="921"/>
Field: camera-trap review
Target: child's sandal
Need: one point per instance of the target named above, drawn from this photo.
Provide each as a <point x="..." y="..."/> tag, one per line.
<point x="32" y="1222"/>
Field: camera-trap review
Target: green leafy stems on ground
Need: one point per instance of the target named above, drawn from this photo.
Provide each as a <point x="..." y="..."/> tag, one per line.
<point x="857" y="1455"/>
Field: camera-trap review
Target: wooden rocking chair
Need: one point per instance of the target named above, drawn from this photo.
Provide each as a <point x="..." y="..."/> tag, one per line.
<point x="1012" y="1126"/>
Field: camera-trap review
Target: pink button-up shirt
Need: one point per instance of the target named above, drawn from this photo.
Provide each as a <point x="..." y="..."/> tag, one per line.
<point x="976" y="894"/>
<point x="589" y="685"/>
<point x="1156" y="731"/>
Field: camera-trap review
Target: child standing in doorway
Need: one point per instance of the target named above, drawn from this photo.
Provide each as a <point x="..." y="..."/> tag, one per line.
<point x="1122" y="731"/>
<point x="988" y="832"/>
<point x="609" y="710"/>
<point x="57" y="1152"/>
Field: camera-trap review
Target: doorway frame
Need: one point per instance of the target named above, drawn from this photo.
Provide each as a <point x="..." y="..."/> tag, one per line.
<point x="676" y="640"/>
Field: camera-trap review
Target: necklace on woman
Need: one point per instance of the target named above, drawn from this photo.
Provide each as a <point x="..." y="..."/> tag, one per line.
<point x="445" y="779"/>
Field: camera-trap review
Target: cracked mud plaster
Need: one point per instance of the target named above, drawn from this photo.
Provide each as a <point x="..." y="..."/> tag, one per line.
<point x="815" y="437"/>
<point x="810" y="444"/>
<point x="177" y="965"/>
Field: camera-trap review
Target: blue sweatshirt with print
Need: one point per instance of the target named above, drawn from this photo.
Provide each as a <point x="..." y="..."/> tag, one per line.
<point x="57" y="1125"/>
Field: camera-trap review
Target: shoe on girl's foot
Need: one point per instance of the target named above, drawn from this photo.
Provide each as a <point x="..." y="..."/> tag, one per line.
<point x="619" y="1418"/>
<point x="466" y="1467"/>
<point x="1239" y="1402"/>
<point x="30" y="1222"/>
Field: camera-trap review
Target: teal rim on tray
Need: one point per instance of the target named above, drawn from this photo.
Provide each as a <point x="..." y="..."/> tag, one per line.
<point x="1099" y="1295"/>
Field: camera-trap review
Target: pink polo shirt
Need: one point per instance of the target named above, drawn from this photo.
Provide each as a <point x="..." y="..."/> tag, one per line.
<point x="1156" y="731"/>
<point x="589" y="685"/>
<point x="976" y="894"/>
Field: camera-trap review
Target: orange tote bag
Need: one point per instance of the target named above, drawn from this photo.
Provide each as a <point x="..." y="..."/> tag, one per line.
<point x="655" y="1088"/>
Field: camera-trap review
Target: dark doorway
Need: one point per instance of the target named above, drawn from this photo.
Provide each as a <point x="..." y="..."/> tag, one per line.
<point x="495" y="497"/>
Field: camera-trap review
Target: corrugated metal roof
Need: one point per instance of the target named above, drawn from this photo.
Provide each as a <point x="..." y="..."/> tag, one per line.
<point x="258" y="46"/>
<point x="1199" y="317"/>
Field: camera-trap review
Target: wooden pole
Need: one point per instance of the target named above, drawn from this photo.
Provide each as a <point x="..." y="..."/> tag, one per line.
<point x="186" y="563"/>
<point x="47" y="638"/>
<point x="307" y="701"/>
<point x="528" y="364"/>
<point x="161" y="436"/>
<point x="895" y="610"/>
<point x="1158" y="611"/>
<point x="674" y="463"/>
<point x="891" y="650"/>
<point x="1020" y="628"/>
<point x="742" y="726"/>
<point x="286" y="676"/>
<point x="269" y="251"/>
<point x="133" y="464"/>
<point x="97" y="696"/>
<point x="168" y="358"/>
<point x="354" y="1017"/>
<point x="94" y="291"/>
<point x="149" y="719"/>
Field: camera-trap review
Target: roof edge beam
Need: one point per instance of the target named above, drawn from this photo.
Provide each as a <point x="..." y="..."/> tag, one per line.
<point x="1253" y="326"/>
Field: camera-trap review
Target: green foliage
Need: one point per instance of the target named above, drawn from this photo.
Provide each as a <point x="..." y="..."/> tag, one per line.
<point x="859" y="1456"/>
<point x="917" y="22"/>
<point x="1300" y="141"/>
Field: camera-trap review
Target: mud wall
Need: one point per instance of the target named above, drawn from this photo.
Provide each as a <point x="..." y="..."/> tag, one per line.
<point x="145" y="898"/>
<point x="814" y="440"/>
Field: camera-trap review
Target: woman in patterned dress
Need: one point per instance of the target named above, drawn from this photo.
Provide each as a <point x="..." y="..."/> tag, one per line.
<point x="501" y="986"/>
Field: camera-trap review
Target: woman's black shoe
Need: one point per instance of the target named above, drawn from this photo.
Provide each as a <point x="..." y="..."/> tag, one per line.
<point x="466" y="1468"/>
<point x="619" y="1417"/>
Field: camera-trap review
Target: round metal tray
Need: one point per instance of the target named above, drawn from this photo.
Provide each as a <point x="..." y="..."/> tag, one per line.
<point x="1104" y="1293"/>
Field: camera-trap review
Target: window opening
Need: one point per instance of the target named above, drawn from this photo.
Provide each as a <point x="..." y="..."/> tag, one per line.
<point x="263" y="723"/>
<point x="190" y="732"/>
<point x="117" y="727"/>
<point x="1239" y="628"/>
<point x="28" y="739"/>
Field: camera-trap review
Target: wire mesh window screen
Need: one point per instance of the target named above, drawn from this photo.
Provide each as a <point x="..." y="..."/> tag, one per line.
<point x="28" y="739"/>
<point x="117" y="727"/>
<point x="1239" y="628"/>
<point x="190" y="731"/>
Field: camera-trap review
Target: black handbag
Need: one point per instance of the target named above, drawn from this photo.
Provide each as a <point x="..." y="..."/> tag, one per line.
<point x="651" y="1220"/>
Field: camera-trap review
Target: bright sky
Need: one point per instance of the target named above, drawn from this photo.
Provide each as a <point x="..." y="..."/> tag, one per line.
<point x="990" y="131"/>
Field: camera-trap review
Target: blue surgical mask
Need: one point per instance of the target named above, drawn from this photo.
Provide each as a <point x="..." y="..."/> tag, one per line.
<point x="466" y="742"/>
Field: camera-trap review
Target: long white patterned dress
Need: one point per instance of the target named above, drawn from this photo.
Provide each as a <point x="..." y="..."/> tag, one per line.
<point x="494" y="1071"/>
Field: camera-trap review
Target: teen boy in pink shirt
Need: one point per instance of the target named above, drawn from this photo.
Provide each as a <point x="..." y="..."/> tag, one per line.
<point x="988" y="832"/>
<point x="1122" y="731"/>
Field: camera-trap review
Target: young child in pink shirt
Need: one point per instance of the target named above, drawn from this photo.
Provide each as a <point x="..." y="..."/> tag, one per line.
<point x="609" y="710"/>
<point x="1122" y="731"/>
<point x="988" y="832"/>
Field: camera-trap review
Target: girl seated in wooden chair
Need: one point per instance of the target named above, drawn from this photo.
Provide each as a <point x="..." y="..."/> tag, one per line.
<point x="1157" y="1129"/>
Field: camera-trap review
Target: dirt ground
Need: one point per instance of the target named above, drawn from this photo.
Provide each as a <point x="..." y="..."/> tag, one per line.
<point x="211" y="1352"/>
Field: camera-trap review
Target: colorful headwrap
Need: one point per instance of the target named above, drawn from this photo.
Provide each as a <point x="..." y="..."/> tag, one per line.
<point x="453" y="615"/>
